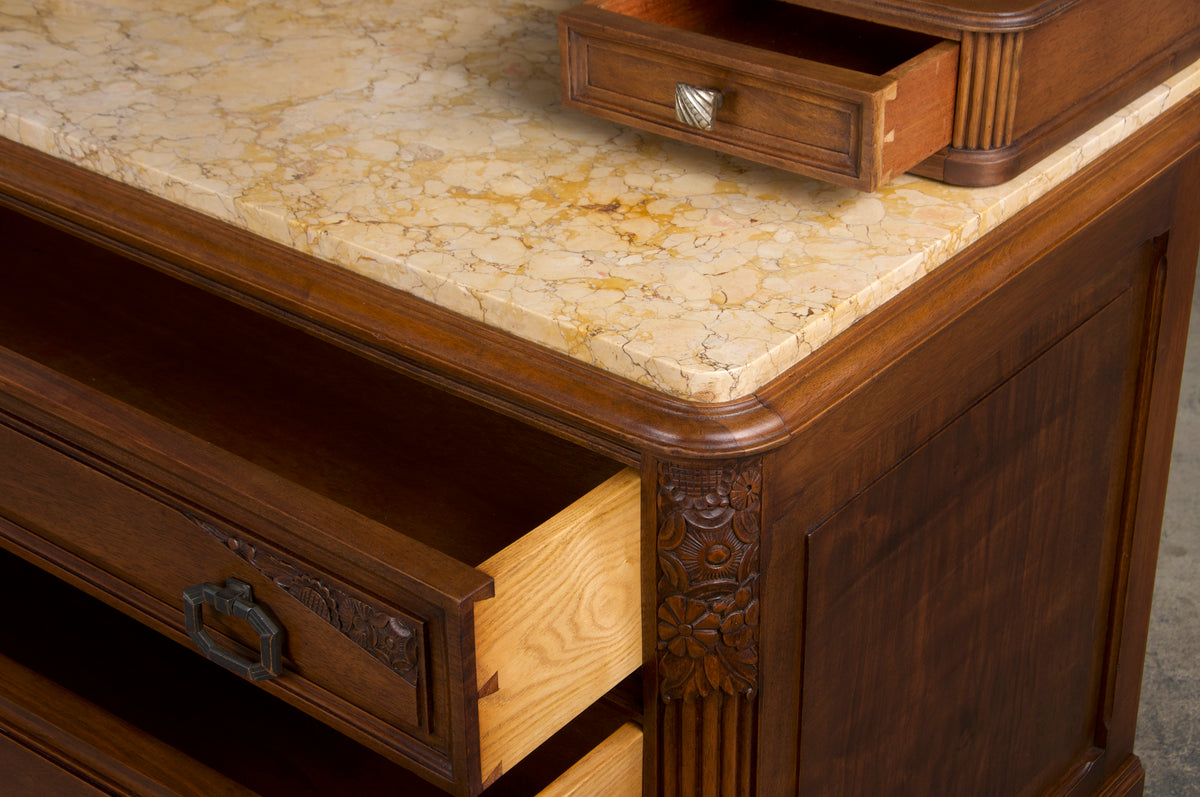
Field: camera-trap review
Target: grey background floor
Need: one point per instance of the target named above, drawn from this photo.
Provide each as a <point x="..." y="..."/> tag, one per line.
<point x="1168" y="738"/>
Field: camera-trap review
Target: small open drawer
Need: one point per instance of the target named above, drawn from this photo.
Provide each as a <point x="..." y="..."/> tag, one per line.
<point x="446" y="585"/>
<point x="851" y="102"/>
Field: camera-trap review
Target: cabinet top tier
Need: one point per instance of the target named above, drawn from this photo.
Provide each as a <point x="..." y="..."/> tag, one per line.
<point x="950" y="15"/>
<point x="422" y="143"/>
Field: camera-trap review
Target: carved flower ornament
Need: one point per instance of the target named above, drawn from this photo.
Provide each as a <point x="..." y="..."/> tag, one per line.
<point x="708" y="579"/>
<point x="687" y="628"/>
<point x="739" y="622"/>
<point x="745" y="490"/>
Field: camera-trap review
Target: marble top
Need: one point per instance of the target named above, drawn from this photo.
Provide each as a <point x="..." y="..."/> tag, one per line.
<point x="422" y="144"/>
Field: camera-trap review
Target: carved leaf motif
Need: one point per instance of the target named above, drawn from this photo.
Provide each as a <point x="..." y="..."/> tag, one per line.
<point x="708" y="560"/>
<point x="391" y="640"/>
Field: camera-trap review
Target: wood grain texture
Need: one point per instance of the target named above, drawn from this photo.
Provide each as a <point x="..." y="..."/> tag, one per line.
<point x="970" y="325"/>
<point x="950" y="17"/>
<point x="613" y="769"/>
<point x="996" y="584"/>
<point x="989" y="76"/>
<point x="1064" y="75"/>
<point x="885" y="424"/>
<point x="1145" y="497"/>
<point x="708" y="522"/>
<point x="388" y="635"/>
<point x="1129" y="780"/>
<point x="282" y="483"/>
<point x="708" y="747"/>
<point x="811" y="101"/>
<point x="565" y="625"/>
<point x="186" y="709"/>
<point x="56" y="744"/>
<point x="919" y="117"/>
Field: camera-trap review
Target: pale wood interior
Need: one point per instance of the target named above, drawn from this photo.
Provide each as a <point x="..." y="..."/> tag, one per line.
<point x="614" y="768"/>
<point x="565" y="625"/>
<point x="785" y="28"/>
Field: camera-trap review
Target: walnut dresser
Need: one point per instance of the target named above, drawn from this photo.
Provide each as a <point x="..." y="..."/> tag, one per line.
<point x="371" y="424"/>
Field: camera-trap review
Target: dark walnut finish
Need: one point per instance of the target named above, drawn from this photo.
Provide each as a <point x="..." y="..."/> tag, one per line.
<point x="919" y="562"/>
<point x="182" y="726"/>
<point x="971" y="92"/>
<point x="851" y="102"/>
<point x="709" y="537"/>
<point x="177" y="454"/>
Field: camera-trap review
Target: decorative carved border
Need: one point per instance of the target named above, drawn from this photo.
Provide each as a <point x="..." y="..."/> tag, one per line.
<point x="709" y="523"/>
<point x="395" y="641"/>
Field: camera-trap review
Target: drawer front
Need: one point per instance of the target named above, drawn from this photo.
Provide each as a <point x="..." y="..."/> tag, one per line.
<point x="781" y="117"/>
<point x="339" y="643"/>
<point x="836" y="123"/>
<point x="394" y="672"/>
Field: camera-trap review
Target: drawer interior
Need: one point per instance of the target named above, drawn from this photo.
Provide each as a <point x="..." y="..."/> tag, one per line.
<point x="387" y="446"/>
<point x="785" y="28"/>
<point x="204" y="713"/>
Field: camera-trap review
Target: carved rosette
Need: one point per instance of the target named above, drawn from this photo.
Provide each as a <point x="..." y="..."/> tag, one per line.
<point x="395" y="641"/>
<point x="708" y="570"/>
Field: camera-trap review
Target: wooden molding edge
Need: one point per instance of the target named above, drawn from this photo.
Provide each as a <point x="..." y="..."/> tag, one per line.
<point x="1128" y="780"/>
<point x="943" y="20"/>
<point x="851" y="360"/>
<point x="544" y="388"/>
<point x="966" y="166"/>
<point x="549" y="390"/>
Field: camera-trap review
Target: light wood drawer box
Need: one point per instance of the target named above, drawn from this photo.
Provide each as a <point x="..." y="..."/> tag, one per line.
<point x="373" y="517"/>
<point x="847" y="101"/>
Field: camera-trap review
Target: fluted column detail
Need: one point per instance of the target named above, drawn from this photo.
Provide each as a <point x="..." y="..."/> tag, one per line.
<point x="709" y="521"/>
<point x="988" y="74"/>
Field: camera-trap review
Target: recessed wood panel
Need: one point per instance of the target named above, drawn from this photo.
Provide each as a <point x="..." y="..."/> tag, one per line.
<point x="958" y="608"/>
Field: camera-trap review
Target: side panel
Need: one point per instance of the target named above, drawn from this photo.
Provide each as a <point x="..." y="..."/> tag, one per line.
<point x="959" y="540"/>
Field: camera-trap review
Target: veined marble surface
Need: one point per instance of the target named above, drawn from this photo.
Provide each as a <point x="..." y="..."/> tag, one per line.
<point x="421" y="143"/>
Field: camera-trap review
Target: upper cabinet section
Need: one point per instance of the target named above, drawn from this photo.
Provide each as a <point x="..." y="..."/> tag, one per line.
<point x="969" y="92"/>
<point x="951" y="15"/>
<point x="851" y="102"/>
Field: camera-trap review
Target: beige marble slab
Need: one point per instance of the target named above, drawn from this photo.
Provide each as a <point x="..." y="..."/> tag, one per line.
<point x="421" y="143"/>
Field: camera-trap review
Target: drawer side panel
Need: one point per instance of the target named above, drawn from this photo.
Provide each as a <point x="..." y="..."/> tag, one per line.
<point x="565" y="625"/>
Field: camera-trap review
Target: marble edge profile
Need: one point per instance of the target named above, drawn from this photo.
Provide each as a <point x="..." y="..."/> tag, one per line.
<point x="689" y="375"/>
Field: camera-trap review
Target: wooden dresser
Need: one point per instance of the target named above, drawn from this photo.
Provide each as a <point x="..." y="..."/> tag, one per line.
<point x="433" y="533"/>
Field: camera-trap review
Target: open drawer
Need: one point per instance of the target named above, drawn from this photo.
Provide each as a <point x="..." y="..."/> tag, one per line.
<point x="851" y="102"/>
<point x="450" y="586"/>
<point x="114" y="729"/>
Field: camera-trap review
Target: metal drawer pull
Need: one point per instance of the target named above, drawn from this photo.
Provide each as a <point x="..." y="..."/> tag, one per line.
<point x="696" y="107"/>
<point x="236" y="600"/>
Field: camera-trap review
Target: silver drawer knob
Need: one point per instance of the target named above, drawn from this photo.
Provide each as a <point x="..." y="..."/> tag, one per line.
<point x="696" y="107"/>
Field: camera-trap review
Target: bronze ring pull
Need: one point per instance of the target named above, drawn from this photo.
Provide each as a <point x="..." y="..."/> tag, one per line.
<point x="236" y="600"/>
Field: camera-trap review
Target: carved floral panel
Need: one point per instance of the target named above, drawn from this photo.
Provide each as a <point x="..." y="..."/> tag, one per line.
<point x="394" y="640"/>
<point x="708" y="569"/>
